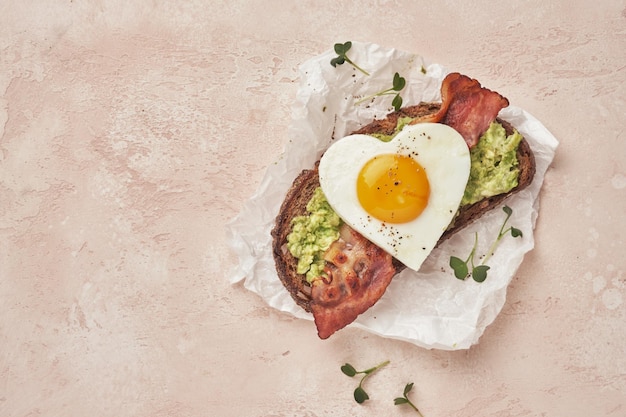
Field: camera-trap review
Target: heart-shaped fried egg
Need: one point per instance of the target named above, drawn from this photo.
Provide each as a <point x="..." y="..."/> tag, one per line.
<point x="401" y="194"/>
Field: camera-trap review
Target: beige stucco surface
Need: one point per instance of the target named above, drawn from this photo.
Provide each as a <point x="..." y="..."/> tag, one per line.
<point x="131" y="132"/>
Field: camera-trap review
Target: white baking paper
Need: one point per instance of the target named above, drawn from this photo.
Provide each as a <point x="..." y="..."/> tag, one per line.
<point x="429" y="308"/>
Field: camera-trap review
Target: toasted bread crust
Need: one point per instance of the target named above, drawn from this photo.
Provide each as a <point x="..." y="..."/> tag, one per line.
<point x="307" y="181"/>
<point x="295" y="203"/>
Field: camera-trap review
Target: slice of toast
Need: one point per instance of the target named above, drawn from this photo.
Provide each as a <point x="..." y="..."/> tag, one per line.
<point x="307" y="181"/>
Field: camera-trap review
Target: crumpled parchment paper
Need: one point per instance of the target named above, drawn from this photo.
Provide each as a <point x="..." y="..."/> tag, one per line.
<point x="429" y="308"/>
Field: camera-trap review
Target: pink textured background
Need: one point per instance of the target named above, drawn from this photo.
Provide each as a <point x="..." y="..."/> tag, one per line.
<point x="130" y="132"/>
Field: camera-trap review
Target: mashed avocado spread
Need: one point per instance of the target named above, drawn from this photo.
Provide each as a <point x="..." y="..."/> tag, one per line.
<point x="493" y="170"/>
<point x="402" y="121"/>
<point x="312" y="234"/>
<point x="494" y="166"/>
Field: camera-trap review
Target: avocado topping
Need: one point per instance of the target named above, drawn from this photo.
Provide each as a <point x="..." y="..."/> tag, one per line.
<point x="402" y="121"/>
<point x="311" y="235"/>
<point x="494" y="166"/>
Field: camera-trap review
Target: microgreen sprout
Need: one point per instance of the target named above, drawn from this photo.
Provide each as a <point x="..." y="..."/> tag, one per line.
<point x="461" y="267"/>
<point x="479" y="272"/>
<point x="360" y="396"/>
<point x="398" y="84"/>
<point x="405" y="399"/>
<point x="503" y="232"/>
<point x="341" y="49"/>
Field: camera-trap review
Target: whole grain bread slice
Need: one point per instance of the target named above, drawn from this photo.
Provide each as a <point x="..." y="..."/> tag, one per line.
<point x="307" y="181"/>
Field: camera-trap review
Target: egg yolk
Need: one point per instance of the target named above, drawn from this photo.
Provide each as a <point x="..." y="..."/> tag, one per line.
<point x="393" y="188"/>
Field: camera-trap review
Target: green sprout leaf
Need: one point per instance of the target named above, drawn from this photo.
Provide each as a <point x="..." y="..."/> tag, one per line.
<point x="341" y="49"/>
<point x="408" y="388"/>
<point x="397" y="85"/>
<point x="479" y="273"/>
<point x="337" y="61"/>
<point x="360" y="395"/>
<point x="348" y="370"/>
<point x="397" y="102"/>
<point x="460" y="267"/>
<point x="398" y="82"/>
<point x="405" y="399"/>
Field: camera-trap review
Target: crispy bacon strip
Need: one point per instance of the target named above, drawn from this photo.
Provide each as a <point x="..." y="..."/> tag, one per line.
<point x="358" y="273"/>
<point x="467" y="107"/>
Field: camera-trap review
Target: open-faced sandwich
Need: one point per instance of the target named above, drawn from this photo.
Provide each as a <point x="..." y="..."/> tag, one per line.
<point x="381" y="199"/>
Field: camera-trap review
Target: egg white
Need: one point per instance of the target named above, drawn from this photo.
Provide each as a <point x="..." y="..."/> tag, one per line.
<point x="443" y="154"/>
